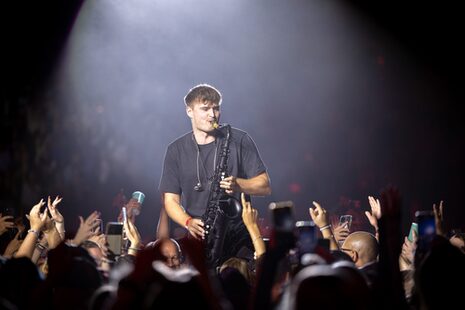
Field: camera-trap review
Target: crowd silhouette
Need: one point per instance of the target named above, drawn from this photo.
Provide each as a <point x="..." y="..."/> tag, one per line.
<point x="42" y="266"/>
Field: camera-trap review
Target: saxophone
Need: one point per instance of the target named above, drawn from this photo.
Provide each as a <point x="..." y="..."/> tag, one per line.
<point x="221" y="207"/>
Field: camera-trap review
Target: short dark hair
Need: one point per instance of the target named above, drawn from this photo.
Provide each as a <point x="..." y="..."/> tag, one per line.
<point x="203" y="93"/>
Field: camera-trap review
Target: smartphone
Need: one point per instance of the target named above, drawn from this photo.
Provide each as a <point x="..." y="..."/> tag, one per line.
<point x="282" y="216"/>
<point x="114" y="234"/>
<point x="306" y="236"/>
<point x="426" y="227"/>
<point x="346" y="220"/>
<point x="9" y="212"/>
<point x="413" y="228"/>
<point x="125" y="214"/>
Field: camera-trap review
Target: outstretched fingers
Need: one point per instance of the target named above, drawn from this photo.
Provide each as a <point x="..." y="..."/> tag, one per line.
<point x="244" y="202"/>
<point x="57" y="200"/>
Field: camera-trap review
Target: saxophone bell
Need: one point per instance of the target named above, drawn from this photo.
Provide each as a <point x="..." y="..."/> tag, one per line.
<point x="233" y="208"/>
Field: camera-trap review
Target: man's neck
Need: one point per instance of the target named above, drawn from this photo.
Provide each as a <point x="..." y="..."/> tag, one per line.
<point x="202" y="137"/>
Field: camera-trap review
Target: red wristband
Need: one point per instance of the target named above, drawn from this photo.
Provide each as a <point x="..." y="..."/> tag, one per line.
<point x="187" y="221"/>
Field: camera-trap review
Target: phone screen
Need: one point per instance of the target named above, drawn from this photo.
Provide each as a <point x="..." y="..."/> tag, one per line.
<point x="125" y="214"/>
<point x="306" y="236"/>
<point x="114" y="234"/>
<point x="283" y="219"/>
<point x="426" y="227"/>
<point x="9" y="212"/>
<point x="114" y="228"/>
<point x="345" y="220"/>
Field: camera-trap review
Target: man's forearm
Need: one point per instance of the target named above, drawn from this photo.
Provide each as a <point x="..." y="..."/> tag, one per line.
<point x="176" y="213"/>
<point x="174" y="210"/>
<point x="258" y="185"/>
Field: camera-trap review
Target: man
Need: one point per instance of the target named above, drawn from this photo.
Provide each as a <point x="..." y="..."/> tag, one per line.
<point x="362" y="247"/>
<point x="168" y="251"/>
<point x="190" y="163"/>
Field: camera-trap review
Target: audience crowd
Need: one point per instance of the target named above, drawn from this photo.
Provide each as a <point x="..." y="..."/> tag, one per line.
<point x="42" y="266"/>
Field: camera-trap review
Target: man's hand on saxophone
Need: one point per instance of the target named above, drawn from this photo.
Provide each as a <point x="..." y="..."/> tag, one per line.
<point x="230" y="185"/>
<point x="257" y="186"/>
<point x="195" y="228"/>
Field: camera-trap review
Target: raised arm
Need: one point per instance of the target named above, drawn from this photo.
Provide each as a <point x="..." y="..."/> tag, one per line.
<point x="438" y="211"/>
<point x="340" y="231"/>
<point x="133" y="236"/>
<point x="57" y="217"/>
<point x="37" y="223"/>
<point x="321" y="219"/>
<point x="375" y="214"/>
<point x="249" y="216"/>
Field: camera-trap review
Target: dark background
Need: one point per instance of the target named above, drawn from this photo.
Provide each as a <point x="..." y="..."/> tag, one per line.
<point x="341" y="97"/>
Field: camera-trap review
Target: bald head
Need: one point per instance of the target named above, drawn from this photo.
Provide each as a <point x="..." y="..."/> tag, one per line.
<point x="362" y="247"/>
<point x="166" y="250"/>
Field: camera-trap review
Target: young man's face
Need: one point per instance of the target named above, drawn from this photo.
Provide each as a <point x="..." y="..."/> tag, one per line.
<point x="203" y="115"/>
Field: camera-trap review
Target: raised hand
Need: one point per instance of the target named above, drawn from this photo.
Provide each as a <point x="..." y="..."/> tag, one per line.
<point x="230" y="185"/>
<point x="408" y="249"/>
<point x="321" y="219"/>
<point x="318" y="215"/>
<point x="407" y="254"/>
<point x="52" y="207"/>
<point x="87" y="227"/>
<point x="49" y="225"/>
<point x="439" y="218"/>
<point x="340" y="232"/>
<point x="133" y="208"/>
<point x="6" y="222"/>
<point x="375" y="214"/>
<point x="132" y="233"/>
<point x="249" y="214"/>
<point x="195" y="228"/>
<point x="38" y="220"/>
<point x="375" y="207"/>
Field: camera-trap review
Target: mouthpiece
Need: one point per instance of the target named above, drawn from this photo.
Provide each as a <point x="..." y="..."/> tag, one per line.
<point x="215" y="125"/>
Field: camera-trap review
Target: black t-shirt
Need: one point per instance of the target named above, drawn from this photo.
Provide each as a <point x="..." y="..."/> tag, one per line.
<point x="181" y="171"/>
